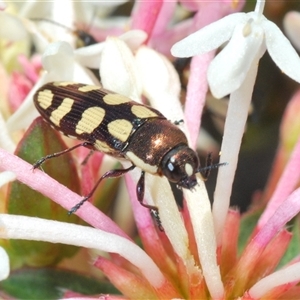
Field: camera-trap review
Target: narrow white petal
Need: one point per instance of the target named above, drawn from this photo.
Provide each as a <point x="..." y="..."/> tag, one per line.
<point x="201" y="216"/>
<point x="29" y="228"/>
<point x="208" y="38"/>
<point x="237" y="114"/>
<point x="4" y="263"/>
<point x="281" y="51"/>
<point x="118" y="70"/>
<point x="172" y="222"/>
<point x="159" y="193"/>
<point x="229" y="68"/>
<point x="287" y="275"/>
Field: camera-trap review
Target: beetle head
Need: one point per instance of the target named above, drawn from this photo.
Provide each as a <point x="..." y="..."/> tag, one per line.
<point x="180" y="165"/>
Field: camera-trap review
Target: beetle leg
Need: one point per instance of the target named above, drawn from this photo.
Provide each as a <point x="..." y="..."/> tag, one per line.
<point x="84" y="162"/>
<point x="47" y="157"/>
<point x="156" y="217"/>
<point x="140" y="191"/>
<point x="109" y="174"/>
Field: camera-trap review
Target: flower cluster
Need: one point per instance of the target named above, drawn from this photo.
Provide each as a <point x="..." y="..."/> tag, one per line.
<point x="203" y="252"/>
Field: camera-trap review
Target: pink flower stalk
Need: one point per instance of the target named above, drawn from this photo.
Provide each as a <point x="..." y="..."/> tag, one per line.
<point x="196" y="256"/>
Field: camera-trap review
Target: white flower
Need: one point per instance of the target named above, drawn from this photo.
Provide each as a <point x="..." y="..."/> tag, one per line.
<point x="249" y="35"/>
<point x="233" y="71"/>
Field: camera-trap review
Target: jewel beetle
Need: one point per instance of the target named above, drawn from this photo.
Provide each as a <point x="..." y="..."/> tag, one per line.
<point x="114" y="124"/>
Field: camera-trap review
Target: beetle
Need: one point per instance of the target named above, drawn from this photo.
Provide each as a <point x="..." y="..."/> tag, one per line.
<point x="114" y="124"/>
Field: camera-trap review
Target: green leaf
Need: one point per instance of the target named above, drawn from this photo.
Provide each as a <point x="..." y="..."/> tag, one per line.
<point x="294" y="245"/>
<point x="39" y="141"/>
<point x="51" y="283"/>
<point x="248" y="223"/>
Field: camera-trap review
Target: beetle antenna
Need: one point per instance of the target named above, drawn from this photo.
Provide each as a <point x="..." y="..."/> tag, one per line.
<point x="214" y="166"/>
<point x="205" y="171"/>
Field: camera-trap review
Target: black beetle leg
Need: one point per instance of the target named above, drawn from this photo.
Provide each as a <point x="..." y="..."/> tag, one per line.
<point x="108" y="174"/>
<point x="47" y="157"/>
<point x="140" y="192"/>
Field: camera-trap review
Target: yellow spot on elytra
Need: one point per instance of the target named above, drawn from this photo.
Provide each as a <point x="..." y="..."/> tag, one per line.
<point x="142" y="112"/>
<point x="64" y="83"/>
<point x="64" y="108"/>
<point x="90" y="120"/>
<point x="115" y="99"/>
<point x="88" y="88"/>
<point x="103" y="147"/>
<point x="45" y="98"/>
<point x="140" y="163"/>
<point x="120" y="129"/>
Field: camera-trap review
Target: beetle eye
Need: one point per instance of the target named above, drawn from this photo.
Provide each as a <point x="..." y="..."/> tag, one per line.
<point x="180" y="165"/>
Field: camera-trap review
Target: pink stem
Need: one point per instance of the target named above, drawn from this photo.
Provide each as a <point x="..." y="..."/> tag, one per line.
<point x="49" y="187"/>
<point x="145" y="15"/>
<point x="285" y="186"/>
<point x="196" y="94"/>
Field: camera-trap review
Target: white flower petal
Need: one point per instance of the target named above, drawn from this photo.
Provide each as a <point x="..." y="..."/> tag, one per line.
<point x="208" y="38"/>
<point x="134" y="38"/>
<point x="281" y="51"/>
<point x="58" y="61"/>
<point x="118" y="70"/>
<point x="83" y="75"/>
<point x="160" y="82"/>
<point x="229" y="68"/>
<point x="4" y="263"/>
<point x="90" y="56"/>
